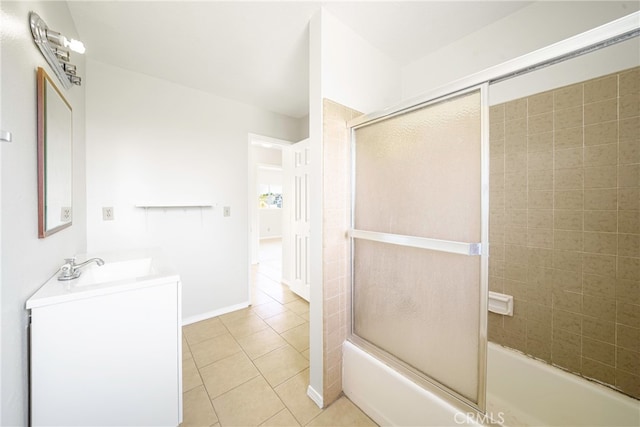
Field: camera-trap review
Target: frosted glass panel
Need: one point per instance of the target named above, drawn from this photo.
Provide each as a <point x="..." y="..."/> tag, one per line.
<point x="422" y="307"/>
<point x="419" y="174"/>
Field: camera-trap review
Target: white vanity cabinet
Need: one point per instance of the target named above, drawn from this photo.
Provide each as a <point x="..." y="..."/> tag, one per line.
<point x="107" y="354"/>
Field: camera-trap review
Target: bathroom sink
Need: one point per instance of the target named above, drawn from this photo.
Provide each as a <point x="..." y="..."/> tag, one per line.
<point x="114" y="271"/>
<point x="122" y="270"/>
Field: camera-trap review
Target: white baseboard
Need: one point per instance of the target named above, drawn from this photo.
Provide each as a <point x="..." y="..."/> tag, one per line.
<point x="302" y="291"/>
<point x="315" y="396"/>
<point x="208" y="315"/>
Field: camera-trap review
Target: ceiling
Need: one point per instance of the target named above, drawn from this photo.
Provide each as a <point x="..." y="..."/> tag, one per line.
<point x="257" y="52"/>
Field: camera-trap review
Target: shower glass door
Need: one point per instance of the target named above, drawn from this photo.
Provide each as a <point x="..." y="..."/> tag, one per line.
<point x="418" y="242"/>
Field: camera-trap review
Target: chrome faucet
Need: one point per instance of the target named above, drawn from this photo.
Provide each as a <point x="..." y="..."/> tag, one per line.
<point x="70" y="270"/>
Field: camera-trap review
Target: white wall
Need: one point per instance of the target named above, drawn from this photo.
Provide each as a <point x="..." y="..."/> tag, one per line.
<point x="533" y="27"/>
<point x="347" y="69"/>
<point x="152" y="140"/>
<point x="303" y="127"/>
<point x="267" y="156"/>
<point x="270" y="223"/>
<point x="27" y="262"/>
<point x="355" y="73"/>
<point x="270" y="176"/>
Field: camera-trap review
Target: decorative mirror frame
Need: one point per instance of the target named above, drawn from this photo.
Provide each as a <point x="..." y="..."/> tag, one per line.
<point x="42" y="81"/>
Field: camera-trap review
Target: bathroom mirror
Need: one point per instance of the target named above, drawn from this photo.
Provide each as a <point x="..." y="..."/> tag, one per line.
<point x="55" y="164"/>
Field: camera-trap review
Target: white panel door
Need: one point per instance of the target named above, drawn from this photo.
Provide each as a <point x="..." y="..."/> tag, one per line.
<point x="300" y="218"/>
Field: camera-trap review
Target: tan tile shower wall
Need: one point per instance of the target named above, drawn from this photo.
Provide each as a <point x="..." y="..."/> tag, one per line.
<point x="565" y="227"/>
<point x="336" y="252"/>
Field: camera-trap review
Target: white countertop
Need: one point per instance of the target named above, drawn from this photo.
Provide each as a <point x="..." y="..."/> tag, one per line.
<point x="55" y="291"/>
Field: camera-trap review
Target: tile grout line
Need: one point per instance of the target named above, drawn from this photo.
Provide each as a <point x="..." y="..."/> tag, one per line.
<point x="236" y="339"/>
<point x="260" y="374"/>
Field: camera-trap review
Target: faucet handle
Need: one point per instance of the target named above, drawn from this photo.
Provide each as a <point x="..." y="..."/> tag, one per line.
<point x="68" y="264"/>
<point x="68" y="270"/>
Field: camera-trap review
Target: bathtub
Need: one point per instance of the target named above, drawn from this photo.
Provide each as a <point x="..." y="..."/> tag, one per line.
<point x="520" y="392"/>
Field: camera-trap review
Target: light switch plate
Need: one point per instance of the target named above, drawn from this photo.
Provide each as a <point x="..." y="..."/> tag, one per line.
<point x="226" y="211"/>
<point x="107" y="214"/>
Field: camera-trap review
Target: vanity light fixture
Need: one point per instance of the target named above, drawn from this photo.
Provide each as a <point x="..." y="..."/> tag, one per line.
<point x="54" y="47"/>
<point x="60" y="40"/>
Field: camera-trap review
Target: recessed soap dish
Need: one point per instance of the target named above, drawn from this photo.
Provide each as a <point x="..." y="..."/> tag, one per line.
<point x="501" y="303"/>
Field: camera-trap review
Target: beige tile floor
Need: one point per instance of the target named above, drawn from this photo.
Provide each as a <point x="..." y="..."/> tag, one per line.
<point x="251" y="367"/>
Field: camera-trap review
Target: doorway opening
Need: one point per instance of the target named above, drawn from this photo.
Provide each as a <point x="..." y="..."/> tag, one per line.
<point x="271" y="219"/>
<point x="268" y="222"/>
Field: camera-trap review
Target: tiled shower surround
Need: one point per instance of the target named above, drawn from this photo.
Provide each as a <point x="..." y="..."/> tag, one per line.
<point x="336" y="152"/>
<point x="565" y="227"/>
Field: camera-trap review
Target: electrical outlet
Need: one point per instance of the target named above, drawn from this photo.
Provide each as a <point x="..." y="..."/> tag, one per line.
<point x="107" y="214"/>
<point x="226" y="211"/>
<point x="65" y="214"/>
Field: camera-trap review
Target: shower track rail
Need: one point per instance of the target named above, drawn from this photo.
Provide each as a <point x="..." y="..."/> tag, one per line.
<point x="617" y="31"/>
